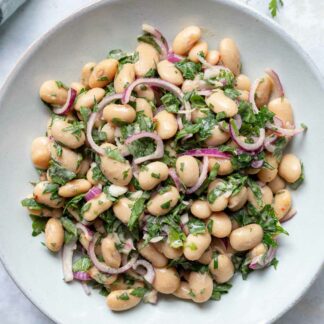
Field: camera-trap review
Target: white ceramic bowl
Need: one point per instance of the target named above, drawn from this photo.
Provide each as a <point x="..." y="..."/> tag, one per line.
<point x="87" y="36"/>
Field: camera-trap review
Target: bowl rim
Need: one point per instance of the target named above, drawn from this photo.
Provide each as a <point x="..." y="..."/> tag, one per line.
<point x="272" y="24"/>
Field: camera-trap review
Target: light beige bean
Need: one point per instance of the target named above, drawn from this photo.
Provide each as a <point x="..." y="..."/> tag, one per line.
<point x="63" y="132"/>
<point x="122" y="209"/>
<point x="186" y="39"/>
<point x="149" y="252"/>
<point x="96" y="206"/>
<point x="265" y="174"/>
<point x="103" y="73"/>
<point x="166" y="280"/>
<point x="86" y="72"/>
<point x="161" y="204"/>
<point x="239" y="200"/>
<point x="243" y="95"/>
<point x="206" y="256"/>
<point x="199" y="48"/>
<point x="110" y="254"/>
<point x="196" y="245"/>
<point x="217" y="137"/>
<point x="187" y="168"/>
<point x="143" y="105"/>
<point x="189" y="85"/>
<point x="170" y="252"/>
<point x="54" y="235"/>
<point x="67" y="158"/>
<point x="230" y="55"/>
<point x="213" y="57"/>
<point x="74" y="187"/>
<point x="44" y="193"/>
<point x="282" y="203"/>
<point x="124" y="77"/>
<point x="242" y="82"/>
<point x="225" y="165"/>
<point x="290" y="168"/>
<point x="119" y="173"/>
<point x="90" y="175"/>
<point x="260" y="249"/>
<point x="166" y="124"/>
<point x="40" y="152"/>
<point x="121" y="283"/>
<point x="201" y="286"/>
<point x="263" y="92"/>
<point x="100" y="277"/>
<point x="277" y="184"/>
<point x="144" y="91"/>
<point x="222" y="269"/>
<point x="221" y="224"/>
<point x="200" y="209"/>
<point x="148" y="58"/>
<point x="117" y="300"/>
<point x="267" y="197"/>
<point x="89" y="98"/>
<point x="168" y="72"/>
<point x="246" y="237"/>
<point x="221" y="201"/>
<point x="77" y="86"/>
<point x="197" y="114"/>
<point x="183" y="291"/>
<point x="109" y="130"/>
<point x="115" y="113"/>
<point x="53" y="93"/>
<point x="218" y="102"/>
<point x="281" y="107"/>
<point x="152" y="174"/>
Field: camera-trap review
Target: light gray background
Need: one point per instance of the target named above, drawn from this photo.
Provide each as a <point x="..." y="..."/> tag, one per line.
<point x="303" y="19"/>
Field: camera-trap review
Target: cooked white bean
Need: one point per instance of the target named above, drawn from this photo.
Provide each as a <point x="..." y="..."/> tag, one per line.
<point x="213" y="57"/>
<point x="221" y="268"/>
<point x="281" y="107"/>
<point x="266" y="174"/>
<point x="89" y="98"/>
<point x="168" y="72"/>
<point x="290" y="168"/>
<point x="263" y="92"/>
<point x="239" y="200"/>
<point x="110" y="254"/>
<point x="206" y="256"/>
<point x="260" y="249"/>
<point x="143" y="105"/>
<point x="246" y="237"/>
<point x="196" y="245"/>
<point x="198" y="49"/>
<point x="103" y="73"/>
<point x="152" y="174"/>
<point x="201" y="286"/>
<point x="197" y="114"/>
<point x="121" y="300"/>
<point x="148" y="58"/>
<point x="277" y="184"/>
<point x="86" y="72"/>
<point x="124" y="77"/>
<point x="144" y="91"/>
<point x="53" y="92"/>
<point x="74" y="187"/>
<point x="46" y="193"/>
<point x="218" y="102"/>
<point x="122" y="209"/>
<point x="221" y="202"/>
<point x="242" y="82"/>
<point x="100" y="277"/>
<point x="166" y="124"/>
<point x="187" y="168"/>
<point x="186" y="39"/>
<point x="162" y="203"/>
<point x="221" y="224"/>
<point x="166" y="280"/>
<point x="183" y="291"/>
<point x="200" y="209"/>
<point x="225" y="165"/>
<point x="267" y="197"/>
<point x="230" y="55"/>
<point x="149" y="252"/>
<point x="54" y="235"/>
<point x="116" y="113"/>
<point x="109" y="130"/>
<point x="282" y="203"/>
<point x="96" y="206"/>
<point x="168" y="251"/>
<point x="40" y="152"/>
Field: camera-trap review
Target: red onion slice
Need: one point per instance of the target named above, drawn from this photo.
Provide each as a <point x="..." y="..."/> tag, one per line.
<point x="86" y="231"/>
<point x="252" y="95"/>
<point x="279" y="91"/>
<point x="257" y="164"/>
<point x="238" y="121"/>
<point x="102" y="266"/>
<point x="248" y="146"/>
<point x="175" y="178"/>
<point x="92" y="193"/>
<point x="289" y="132"/>
<point x="151" y="297"/>
<point x="160" y="39"/>
<point x="264" y="260"/>
<point x="292" y="212"/>
<point x="159" y="151"/>
<point x="150" y="274"/>
<point x="174" y="58"/>
<point x="161" y="84"/>
<point x="71" y="95"/>
<point x="210" y="152"/>
<point x="202" y="176"/>
<point x="81" y="275"/>
<point x="205" y="93"/>
<point x="67" y="256"/>
<point x="86" y="288"/>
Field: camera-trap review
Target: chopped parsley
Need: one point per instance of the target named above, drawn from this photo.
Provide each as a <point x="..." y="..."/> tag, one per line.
<point x="188" y="69"/>
<point x="59" y="175"/>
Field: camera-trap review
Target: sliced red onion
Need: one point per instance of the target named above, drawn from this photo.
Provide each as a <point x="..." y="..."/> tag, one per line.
<point x="159" y="151"/>
<point x="150" y="274"/>
<point x="67" y="256"/>
<point x="71" y="95"/>
<point x="179" y="121"/>
<point x="210" y="152"/>
<point x="174" y="58"/>
<point x="257" y="164"/>
<point x="161" y="84"/>
<point x="202" y="176"/>
<point x="92" y="193"/>
<point x="277" y="121"/>
<point x="279" y="91"/>
<point x="103" y="103"/>
<point x="214" y="71"/>
<point x="292" y="212"/>
<point x="289" y="132"/>
<point x="128" y="246"/>
<point x="264" y="260"/>
<point x="102" y="266"/>
<point x="205" y="93"/>
<point x="160" y="39"/>
<point x="238" y="121"/>
<point x="175" y="178"/>
<point x="252" y="95"/>
<point x="248" y="146"/>
<point x="151" y="297"/>
<point x="81" y="275"/>
<point x="268" y="142"/>
<point x="86" y="288"/>
<point x="85" y="230"/>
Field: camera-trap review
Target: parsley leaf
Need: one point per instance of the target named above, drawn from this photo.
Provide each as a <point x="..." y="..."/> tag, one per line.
<point x="70" y="232"/>
<point x="188" y="69"/>
<point x="60" y="175"/>
<point x="139" y="292"/>
<point x="137" y="210"/>
<point x="38" y="225"/>
<point x="114" y="154"/>
<point x="171" y="102"/>
<point x="83" y="264"/>
<point x="219" y="290"/>
<point x="196" y="226"/>
<point x="31" y="203"/>
<point x="149" y="39"/>
<point x="274" y="6"/>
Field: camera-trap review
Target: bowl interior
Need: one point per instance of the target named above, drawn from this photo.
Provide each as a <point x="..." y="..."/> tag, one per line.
<point x="88" y="36"/>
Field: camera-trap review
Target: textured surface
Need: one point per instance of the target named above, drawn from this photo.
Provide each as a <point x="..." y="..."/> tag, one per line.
<point x="304" y="21"/>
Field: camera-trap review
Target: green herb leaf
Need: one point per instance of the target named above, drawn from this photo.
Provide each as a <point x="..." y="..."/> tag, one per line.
<point x="114" y="154"/>
<point x="274" y="7"/>
<point x="31" y="203"/>
<point x="136" y="211"/>
<point x="300" y="180"/>
<point x="83" y="264"/>
<point x="38" y="225"/>
<point x="139" y="292"/>
<point x="60" y="175"/>
<point x="171" y="102"/>
<point x="70" y="232"/>
<point x="149" y="39"/>
<point x="219" y="290"/>
<point x="188" y="69"/>
<point x="196" y="226"/>
<point x="123" y="296"/>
